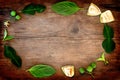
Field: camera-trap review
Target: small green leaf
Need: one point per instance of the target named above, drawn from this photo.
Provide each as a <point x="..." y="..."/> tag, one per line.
<point x="102" y="57"/>
<point x="10" y="53"/>
<point x="89" y="69"/>
<point x="5" y="34"/>
<point x="108" y="45"/>
<point x="8" y="37"/>
<point x="108" y="31"/>
<point x="40" y="71"/>
<point x="82" y="70"/>
<point x="65" y="8"/>
<point x="93" y="65"/>
<point x="32" y="8"/>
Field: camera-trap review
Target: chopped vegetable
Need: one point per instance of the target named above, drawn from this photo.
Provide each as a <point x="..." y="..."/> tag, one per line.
<point x="68" y="70"/>
<point x="93" y="10"/>
<point x="106" y="17"/>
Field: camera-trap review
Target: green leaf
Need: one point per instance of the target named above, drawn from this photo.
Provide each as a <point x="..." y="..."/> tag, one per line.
<point x="93" y="65"/>
<point x="108" y="31"/>
<point x="17" y="61"/>
<point x="40" y="71"/>
<point x="108" y="45"/>
<point x="32" y="8"/>
<point x="40" y="8"/>
<point x="29" y="9"/>
<point x="82" y="70"/>
<point x="8" y="37"/>
<point x="10" y="53"/>
<point x="102" y="57"/>
<point x="89" y="69"/>
<point x="65" y="8"/>
<point x="5" y="34"/>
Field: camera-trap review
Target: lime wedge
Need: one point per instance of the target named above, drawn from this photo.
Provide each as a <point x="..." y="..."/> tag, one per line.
<point x="93" y="10"/>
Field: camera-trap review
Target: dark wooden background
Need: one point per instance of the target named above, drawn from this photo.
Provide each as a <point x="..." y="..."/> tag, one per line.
<point x="56" y="40"/>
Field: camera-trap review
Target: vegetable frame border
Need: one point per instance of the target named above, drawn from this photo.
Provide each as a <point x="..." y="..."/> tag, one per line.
<point x="108" y="43"/>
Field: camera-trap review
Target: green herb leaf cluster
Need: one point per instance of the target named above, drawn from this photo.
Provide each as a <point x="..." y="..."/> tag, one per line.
<point x="102" y="58"/>
<point x="6" y="36"/>
<point x="65" y="8"/>
<point x="10" y="53"/>
<point x="108" y="44"/>
<point x="89" y="69"/>
<point x="32" y="8"/>
<point x="41" y="70"/>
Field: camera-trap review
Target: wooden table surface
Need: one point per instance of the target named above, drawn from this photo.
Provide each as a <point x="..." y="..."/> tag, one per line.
<point x="49" y="38"/>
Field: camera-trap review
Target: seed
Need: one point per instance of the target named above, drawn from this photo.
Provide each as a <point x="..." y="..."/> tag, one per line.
<point x="13" y="13"/>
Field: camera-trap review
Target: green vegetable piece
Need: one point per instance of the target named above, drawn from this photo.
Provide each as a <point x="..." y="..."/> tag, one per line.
<point x="13" y="13"/>
<point x="40" y="71"/>
<point x="108" y="31"/>
<point x="17" y="17"/>
<point x="108" y="45"/>
<point x="8" y="38"/>
<point x="82" y="70"/>
<point x="65" y="8"/>
<point x="89" y="69"/>
<point x="10" y="53"/>
<point x="32" y="8"/>
<point x="93" y="65"/>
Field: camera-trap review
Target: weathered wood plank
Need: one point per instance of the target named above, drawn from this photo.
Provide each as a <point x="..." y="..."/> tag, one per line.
<point x="57" y="40"/>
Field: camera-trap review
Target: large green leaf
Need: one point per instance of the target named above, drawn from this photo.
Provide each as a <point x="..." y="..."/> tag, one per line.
<point x="108" y="31"/>
<point x="10" y="53"/>
<point x="108" y="45"/>
<point x="40" y="71"/>
<point x="65" y="8"/>
<point x="32" y="8"/>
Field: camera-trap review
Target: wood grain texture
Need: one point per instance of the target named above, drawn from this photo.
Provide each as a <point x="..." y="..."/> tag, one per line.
<point x="49" y="38"/>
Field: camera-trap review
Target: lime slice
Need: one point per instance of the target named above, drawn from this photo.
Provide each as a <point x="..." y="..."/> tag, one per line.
<point x="106" y="17"/>
<point x="68" y="70"/>
<point x="93" y="10"/>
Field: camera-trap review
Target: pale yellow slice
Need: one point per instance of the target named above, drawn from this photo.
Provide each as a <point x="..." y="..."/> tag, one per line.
<point x="93" y="10"/>
<point x="68" y="70"/>
<point x="106" y="17"/>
